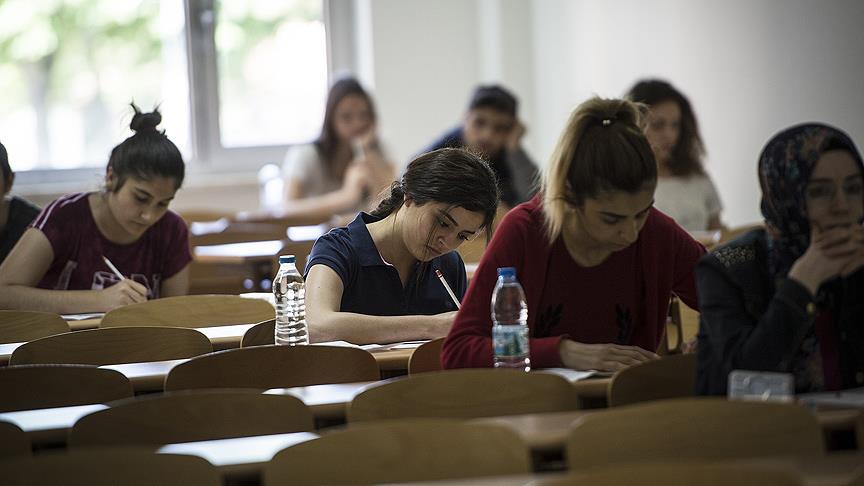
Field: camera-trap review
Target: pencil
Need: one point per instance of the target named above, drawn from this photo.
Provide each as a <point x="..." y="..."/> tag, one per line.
<point x="448" y="289"/>
<point x="113" y="268"/>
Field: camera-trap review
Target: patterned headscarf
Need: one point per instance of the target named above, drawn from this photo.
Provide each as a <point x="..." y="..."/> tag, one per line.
<point x="785" y="166"/>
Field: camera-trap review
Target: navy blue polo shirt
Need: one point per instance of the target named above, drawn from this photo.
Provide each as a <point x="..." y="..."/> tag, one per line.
<point x="373" y="287"/>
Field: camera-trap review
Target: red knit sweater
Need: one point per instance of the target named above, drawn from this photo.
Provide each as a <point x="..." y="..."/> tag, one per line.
<point x="662" y="258"/>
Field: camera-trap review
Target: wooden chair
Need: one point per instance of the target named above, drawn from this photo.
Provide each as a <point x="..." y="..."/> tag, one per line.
<point x="113" y="346"/>
<point x="99" y="467"/>
<point x="29" y="387"/>
<point x="692" y="428"/>
<point x="730" y="234"/>
<point x="21" y="326"/>
<point x="190" y="311"/>
<point x="191" y="416"/>
<point x="427" y="357"/>
<point x="464" y="393"/>
<point x="678" y="474"/>
<point x="13" y="441"/>
<point x="401" y="451"/>
<point x="274" y="366"/>
<point x="260" y="334"/>
<point x="671" y="376"/>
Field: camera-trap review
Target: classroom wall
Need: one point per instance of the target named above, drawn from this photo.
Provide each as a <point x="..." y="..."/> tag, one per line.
<point x="749" y="68"/>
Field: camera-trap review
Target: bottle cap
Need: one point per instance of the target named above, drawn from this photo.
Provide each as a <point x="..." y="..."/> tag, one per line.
<point x="286" y="259"/>
<point x="507" y="272"/>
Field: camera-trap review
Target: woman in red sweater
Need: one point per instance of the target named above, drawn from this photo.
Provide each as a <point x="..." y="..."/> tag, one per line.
<point x="598" y="263"/>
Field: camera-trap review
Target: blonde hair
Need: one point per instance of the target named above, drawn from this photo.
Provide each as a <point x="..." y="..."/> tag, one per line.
<point x="601" y="149"/>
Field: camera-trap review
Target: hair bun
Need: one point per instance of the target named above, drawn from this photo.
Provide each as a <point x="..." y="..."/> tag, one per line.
<point x="145" y="121"/>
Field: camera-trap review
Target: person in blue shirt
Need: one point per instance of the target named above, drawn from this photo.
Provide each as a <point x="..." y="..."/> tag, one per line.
<point x="374" y="281"/>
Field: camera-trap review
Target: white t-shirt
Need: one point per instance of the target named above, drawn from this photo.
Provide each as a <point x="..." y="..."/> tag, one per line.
<point x="690" y="201"/>
<point x="302" y="163"/>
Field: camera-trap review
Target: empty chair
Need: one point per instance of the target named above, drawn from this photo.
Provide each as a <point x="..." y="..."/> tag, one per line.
<point x="190" y="311"/>
<point x="274" y="366"/>
<point x="671" y="376"/>
<point x="260" y="334"/>
<point x="427" y="357"/>
<point x="692" y="428"/>
<point x="464" y="393"/>
<point x="677" y="474"/>
<point x="99" y="467"/>
<point x="27" y="387"/>
<point x="20" y="326"/>
<point x="191" y="416"/>
<point x="415" y="450"/>
<point x="13" y="441"/>
<point x="113" y="345"/>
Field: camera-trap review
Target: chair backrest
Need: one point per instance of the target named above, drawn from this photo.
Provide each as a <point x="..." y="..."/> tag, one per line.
<point x="20" y="326"/>
<point x="274" y="366"/>
<point x="677" y="474"/>
<point x="415" y="450"/>
<point x="113" y="345"/>
<point x="13" y="441"/>
<point x="99" y="467"/>
<point x="692" y="428"/>
<point x="427" y="357"/>
<point x="191" y="416"/>
<point x="190" y="311"/>
<point x="28" y="387"/>
<point x="260" y="334"/>
<point x="463" y="393"/>
<point x="671" y="376"/>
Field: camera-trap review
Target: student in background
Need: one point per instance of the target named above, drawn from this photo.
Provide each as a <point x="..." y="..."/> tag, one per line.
<point x="346" y="166"/>
<point x="58" y="264"/>
<point x="788" y="298"/>
<point x="375" y="280"/>
<point x="492" y="129"/>
<point x="15" y="213"/>
<point x="684" y="190"/>
<point x="598" y="263"/>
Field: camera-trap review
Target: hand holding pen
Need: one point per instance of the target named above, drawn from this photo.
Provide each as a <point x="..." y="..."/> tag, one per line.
<point x="124" y="292"/>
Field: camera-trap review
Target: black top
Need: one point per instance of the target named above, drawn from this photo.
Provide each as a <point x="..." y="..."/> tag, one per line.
<point x="21" y="214"/>
<point x="749" y="322"/>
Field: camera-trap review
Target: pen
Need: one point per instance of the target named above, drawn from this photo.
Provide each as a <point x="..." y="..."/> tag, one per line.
<point x="113" y="268"/>
<point x="448" y="289"/>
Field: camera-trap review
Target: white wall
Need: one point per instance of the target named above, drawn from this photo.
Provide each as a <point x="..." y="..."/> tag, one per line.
<point x="749" y="68"/>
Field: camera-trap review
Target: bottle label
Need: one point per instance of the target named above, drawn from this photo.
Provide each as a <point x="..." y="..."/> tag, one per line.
<point x="510" y="340"/>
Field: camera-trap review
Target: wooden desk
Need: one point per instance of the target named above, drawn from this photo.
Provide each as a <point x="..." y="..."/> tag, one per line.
<point x="328" y="402"/>
<point x="48" y="427"/>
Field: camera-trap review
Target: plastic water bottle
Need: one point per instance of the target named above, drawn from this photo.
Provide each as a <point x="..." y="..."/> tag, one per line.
<point x="510" y="322"/>
<point x="290" y="295"/>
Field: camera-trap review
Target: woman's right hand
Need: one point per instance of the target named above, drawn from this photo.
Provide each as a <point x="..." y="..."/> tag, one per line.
<point x="122" y="293"/>
<point x="356" y="178"/>
<point x="601" y="357"/>
<point x="829" y="255"/>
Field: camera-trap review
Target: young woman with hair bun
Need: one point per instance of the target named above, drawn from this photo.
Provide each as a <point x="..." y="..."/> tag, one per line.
<point x="375" y="280"/>
<point x="59" y="263"/>
<point x="598" y="263"/>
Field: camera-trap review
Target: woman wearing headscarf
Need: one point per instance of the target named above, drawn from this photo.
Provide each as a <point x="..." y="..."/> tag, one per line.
<point x="790" y="297"/>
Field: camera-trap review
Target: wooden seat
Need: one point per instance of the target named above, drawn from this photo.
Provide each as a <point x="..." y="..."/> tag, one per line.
<point x="427" y="357"/>
<point x="113" y="345"/>
<point x="464" y="393"/>
<point x="677" y="474"/>
<point x="190" y="311"/>
<point x="671" y="376"/>
<point x="260" y="334"/>
<point x="21" y="326"/>
<point x="100" y="467"/>
<point x="401" y="451"/>
<point x="29" y="387"/>
<point x="692" y="428"/>
<point x="13" y="441"/>
<point x="191" y="416"/>
<point x="274" y="366"/>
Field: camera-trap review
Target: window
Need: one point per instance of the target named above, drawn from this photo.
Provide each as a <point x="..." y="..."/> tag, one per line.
<point x="236" y="80"/>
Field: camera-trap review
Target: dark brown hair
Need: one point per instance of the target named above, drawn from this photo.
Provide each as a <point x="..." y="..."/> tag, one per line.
<point x="686" y="157"/>
<point x="328" y="142"/>
<point x="147" y="153"/>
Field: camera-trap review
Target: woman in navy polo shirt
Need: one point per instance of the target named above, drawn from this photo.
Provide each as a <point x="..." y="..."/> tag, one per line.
<point x="375" y="280"/>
